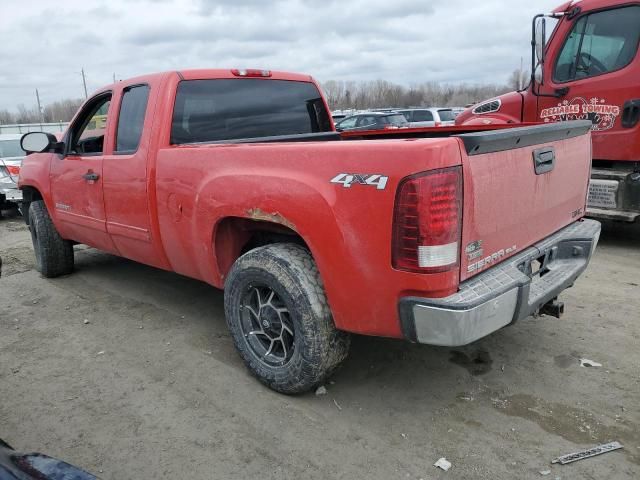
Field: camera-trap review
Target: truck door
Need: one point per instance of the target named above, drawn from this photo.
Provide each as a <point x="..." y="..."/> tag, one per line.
<point x="592" y="65"/>
<point x="76" y="177"/>
<point x="126" y="177"/>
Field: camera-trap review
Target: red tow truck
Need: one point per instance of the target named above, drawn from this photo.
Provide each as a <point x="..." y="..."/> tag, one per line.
<point x="587" y="69"/>
<point x="239" y="179"/>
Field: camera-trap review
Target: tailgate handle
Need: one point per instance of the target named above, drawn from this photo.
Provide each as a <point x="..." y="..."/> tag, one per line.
<point x="544" y="159"/>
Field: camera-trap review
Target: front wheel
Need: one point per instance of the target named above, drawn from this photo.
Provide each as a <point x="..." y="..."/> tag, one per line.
<point x="54" y="255"/>
<point x="279" y="318"/>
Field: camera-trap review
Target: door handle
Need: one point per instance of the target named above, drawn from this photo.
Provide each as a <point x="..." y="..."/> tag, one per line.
<point x="631" y="113"/>
<point x="544" y="159"/>
<point x="91" y="176"/>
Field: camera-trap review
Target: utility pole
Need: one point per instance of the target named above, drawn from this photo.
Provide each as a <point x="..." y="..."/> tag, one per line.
<point x="520" y="77"/>
<point x="114" y="77"/>
<point x="84" y="83"/>
<point x="40" y="113"/>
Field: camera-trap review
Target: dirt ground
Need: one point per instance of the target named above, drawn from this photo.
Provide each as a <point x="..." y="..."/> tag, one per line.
<point x="152" y="388"/>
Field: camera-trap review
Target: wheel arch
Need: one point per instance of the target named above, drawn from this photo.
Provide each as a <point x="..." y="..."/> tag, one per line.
<point x="234" y="236"/>
<point x="29" y="194"/>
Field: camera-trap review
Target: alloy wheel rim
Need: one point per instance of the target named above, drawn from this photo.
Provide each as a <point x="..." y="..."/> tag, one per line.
<point x="267" y="326"/>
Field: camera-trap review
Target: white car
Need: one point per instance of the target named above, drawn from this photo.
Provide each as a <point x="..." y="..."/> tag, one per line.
<point x="11" y="155"/>
<point x="429" y="117"/>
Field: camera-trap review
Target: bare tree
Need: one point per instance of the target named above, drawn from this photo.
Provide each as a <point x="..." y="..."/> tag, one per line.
<point x="61" y="111"/>
<point x="518" y="79"/>
<point x="381" y="93"/>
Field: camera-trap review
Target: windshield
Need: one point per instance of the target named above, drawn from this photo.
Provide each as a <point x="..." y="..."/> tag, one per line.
<point x="446" y="115"/>
<point x="10" y="148"/>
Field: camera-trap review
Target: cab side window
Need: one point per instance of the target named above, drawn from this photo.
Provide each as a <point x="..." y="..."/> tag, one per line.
<point x="599" y="43"/>
<point x="131" y="118"/>
<point x="347" y="122"/>
<point x="422" y="116"/>
<point x="87" y="133"/>
<point x="366" y="121"/>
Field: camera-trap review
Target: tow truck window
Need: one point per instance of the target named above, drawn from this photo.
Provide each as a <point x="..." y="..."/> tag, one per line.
<point x="599" y="43"/>
<point x="131" y="118"/>
<point x="225" y="109"/>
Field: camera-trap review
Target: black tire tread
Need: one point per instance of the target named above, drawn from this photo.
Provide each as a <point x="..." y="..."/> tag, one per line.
<point x="54" y="255"/>
<point x="325" y="346"/>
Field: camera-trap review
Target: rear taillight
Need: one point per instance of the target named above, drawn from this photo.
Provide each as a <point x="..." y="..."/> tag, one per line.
<point x="426" y="222"/>
<point x="13" y="169"/>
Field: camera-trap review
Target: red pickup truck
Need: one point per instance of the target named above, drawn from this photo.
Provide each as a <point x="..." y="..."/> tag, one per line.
<point x="238" y="178"/>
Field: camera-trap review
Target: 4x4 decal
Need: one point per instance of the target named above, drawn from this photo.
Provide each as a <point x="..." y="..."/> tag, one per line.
<point x="348" y="179"/>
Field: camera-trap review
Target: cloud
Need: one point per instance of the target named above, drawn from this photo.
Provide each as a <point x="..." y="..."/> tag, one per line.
<point x="404" y="41"/>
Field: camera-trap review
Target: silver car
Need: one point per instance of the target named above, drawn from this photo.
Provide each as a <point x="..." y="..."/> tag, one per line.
<point x="429" y="117"/>
<point x="11" y="156"/>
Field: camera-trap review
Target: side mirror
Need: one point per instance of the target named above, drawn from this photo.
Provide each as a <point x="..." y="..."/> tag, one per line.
<point x="538" y="41"/>
<point x="37" y="142"/>
<point x="541" y="39"/>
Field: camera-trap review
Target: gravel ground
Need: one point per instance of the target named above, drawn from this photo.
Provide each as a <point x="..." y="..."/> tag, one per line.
<point x="151" y="386"/>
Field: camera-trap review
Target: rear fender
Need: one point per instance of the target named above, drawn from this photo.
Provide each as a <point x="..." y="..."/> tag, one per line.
<point x="275" y="199"/>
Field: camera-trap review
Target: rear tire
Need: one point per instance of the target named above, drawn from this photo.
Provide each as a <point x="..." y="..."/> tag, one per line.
<point x="279" y="319"/>
<point x="54" y="255"/>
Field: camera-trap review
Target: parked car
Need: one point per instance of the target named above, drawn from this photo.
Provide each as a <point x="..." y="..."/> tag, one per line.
<point x="237" y="178"/>
<point x="372" y="121"/>
<point x="429" y="117"/>
<point x="11" y="156"/>
<point x="36" y="466"/>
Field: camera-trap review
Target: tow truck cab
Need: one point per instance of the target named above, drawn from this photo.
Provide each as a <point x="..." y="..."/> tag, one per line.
<point x="585" y="66"/>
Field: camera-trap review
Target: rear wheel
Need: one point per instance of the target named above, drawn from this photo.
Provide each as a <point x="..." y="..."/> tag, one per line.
<point x="54" y="255"/>
<point x="279" y="318"/>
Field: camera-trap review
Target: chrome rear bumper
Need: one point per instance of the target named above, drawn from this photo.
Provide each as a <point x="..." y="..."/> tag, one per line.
<point x="504" y="294"/>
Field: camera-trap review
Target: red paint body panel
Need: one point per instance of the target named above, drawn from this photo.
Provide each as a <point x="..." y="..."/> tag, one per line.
<point x="509" y="206"/>
<point x="350" y="240"/>
<point x="164" y="204"/>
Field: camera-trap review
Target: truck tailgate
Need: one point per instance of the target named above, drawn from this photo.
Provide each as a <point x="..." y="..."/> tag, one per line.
<point x="520" y="186"/>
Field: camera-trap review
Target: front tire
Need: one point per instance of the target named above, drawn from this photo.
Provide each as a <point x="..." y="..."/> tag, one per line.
<point x="279" y="319"/>
<point x="54" y="255"/>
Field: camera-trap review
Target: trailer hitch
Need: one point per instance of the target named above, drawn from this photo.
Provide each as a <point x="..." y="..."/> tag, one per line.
<point x="553" y="308"/>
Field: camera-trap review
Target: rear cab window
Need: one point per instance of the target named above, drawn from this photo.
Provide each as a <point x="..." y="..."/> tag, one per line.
<point x="232" y="109"/>
<point x="599" y="43"/>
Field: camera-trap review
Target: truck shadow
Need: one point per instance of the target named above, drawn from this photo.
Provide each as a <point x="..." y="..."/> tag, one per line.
<point x="620" y="234"/>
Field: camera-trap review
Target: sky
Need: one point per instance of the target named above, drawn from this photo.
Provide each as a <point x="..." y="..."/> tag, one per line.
<point x="46" y="44"/>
